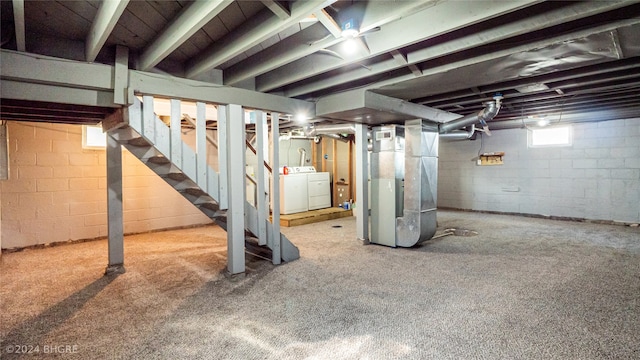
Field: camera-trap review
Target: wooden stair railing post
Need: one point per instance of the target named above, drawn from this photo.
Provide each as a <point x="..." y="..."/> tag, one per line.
<point x="223" y="165"/>
<point x="201" y="146"/>
<point x="275" y="162"/>
<point x="262" y="205"/>
<point x="237" y="189"/>
<point x="176" y="133"/>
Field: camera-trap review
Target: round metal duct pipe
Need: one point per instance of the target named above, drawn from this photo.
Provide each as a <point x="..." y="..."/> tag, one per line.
<point x="487" y="114"/>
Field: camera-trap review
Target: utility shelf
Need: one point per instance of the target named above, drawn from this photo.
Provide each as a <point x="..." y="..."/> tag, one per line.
<point x="491" y="158"/>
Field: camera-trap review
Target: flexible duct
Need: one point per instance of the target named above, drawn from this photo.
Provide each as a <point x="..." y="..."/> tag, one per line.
<point x="489" y="112"/>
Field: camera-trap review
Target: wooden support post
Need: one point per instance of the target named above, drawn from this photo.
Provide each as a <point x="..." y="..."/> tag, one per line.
<point x="275" y="164"/>
<point x="19" y="24"/>
<point x="176" y="133"/>
<point x="236" y="181"/>
<point x="121" y="76"/>
<point x="314" y="155"/>
<point x="115" y="227"/>
<point x="350" y="169"/>
<point x="261" y="205"/>
<point x="201" y="145"/>
<point x="4" y="151"/>
<point x="323" y="148"/>
<point x="334" y="171"/>
<point x="223" y="166"/>
<point x="148" y="123"/>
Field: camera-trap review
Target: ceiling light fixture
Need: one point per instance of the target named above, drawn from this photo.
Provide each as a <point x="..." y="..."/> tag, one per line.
<point x="530" y="88"/>
<point x="350" y="29"/>
<point x="543" y="122"/>
<point x="350" y="45"/>
<point x="300" y="117"/>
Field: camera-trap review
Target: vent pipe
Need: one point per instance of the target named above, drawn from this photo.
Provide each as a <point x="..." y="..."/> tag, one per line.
<point x="489" y="112"/>
<point x="333" y="131"/>
<point x="330" y="129"/>
<point x="303" y="156"/>
<point x="458" y="134"/>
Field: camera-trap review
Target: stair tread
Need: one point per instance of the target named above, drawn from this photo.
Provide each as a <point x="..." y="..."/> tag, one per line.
<point x="158" y="159"/>
<point x="139" y="141"/>
<point x="195" y="191"/>
<point x="252" y="247"/>
<point x="190" y="190"/>
<point x="177" y="176"/>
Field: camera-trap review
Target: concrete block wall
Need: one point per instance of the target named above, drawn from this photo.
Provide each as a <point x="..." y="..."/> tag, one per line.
<point x="289" y="154"/>
<point x="597" y="178"/>
<point x="57" y="190"/>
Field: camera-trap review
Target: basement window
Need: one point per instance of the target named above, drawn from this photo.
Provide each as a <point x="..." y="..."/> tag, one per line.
<point x="549" y="137"/>
<point x="93" y="137"/>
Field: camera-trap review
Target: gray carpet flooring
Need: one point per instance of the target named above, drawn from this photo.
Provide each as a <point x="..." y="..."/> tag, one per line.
<point x="523" y="288"/>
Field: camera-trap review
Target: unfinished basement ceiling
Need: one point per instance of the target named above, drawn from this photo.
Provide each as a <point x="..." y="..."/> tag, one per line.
<point x="577" y="61"/>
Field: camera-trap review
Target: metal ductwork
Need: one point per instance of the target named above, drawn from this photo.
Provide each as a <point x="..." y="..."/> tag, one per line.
<point x="458" y="134"/>
<point x="404" y="169"/>
<point x="330" y="129"/>
<point x="366" y="107"/>
<point x="333" y="131"/>
<point x="567" y="118"/>
<point x="487" y="114"/>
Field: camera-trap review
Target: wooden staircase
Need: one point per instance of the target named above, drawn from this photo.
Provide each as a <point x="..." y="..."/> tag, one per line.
<point x="149" y="139"/>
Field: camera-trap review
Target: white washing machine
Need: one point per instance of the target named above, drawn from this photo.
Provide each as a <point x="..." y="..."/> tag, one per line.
<point x="293" y="193"/>
<point x="303" y="189"/>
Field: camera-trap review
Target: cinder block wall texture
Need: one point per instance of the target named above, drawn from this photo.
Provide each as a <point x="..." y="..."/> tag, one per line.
<point x="597" y="178"/>
<point x="57" y="190"/>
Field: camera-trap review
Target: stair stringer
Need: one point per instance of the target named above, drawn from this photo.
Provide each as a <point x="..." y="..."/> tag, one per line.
<point x="147" y="152"/>
<point x="171" y="174"/>
<point x="288" y="250"/>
